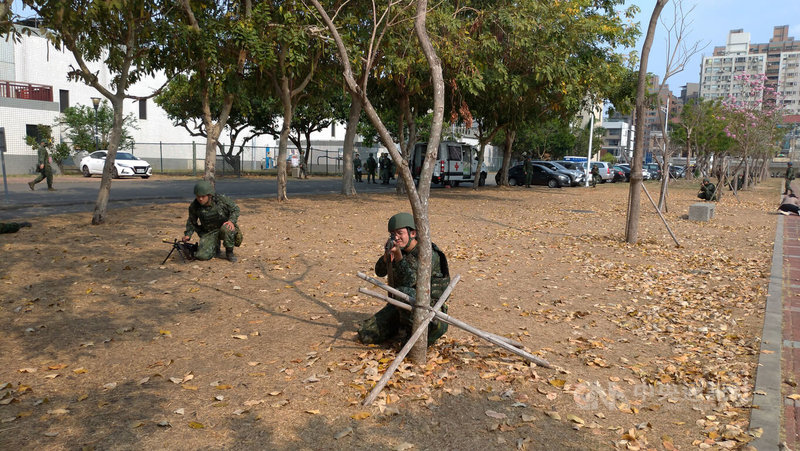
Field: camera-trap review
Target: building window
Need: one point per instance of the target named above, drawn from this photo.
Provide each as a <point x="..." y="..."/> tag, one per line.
<point x="32" y="130"/>
<point x="63" y="100"/>
<point x="333" y="130"/>
<point x="143" y="109"/>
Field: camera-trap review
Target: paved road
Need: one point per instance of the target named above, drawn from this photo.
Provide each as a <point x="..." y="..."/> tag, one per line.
<point x="76" y="194"/>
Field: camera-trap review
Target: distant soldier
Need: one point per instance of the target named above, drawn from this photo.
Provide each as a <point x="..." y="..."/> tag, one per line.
<point x="708" y="191"/>
<point x="213" y="216"/>
<point x="357" y="168"/>
<point x="43" y="168"/>
<point x="527" y="168"/>
<point x="372" y="165"/>
<point x="595" y="176"/>
<point x="788" y="177"/>
<point x="385" y="162"/>
<point x="12" y="227"/>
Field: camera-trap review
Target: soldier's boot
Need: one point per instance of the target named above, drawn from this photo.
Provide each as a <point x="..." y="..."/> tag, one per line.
<point x="30" y="185"/>
<point x="50" y="188"/>
<point x="217" y="252"/>
<point x="229" y="254"/>
<point x="25" y="224"/>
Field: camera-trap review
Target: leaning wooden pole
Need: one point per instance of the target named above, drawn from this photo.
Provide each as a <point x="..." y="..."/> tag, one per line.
<point x="661" y="216"/>
<point x="376" y="390"/>
<point x="410" y="301"/>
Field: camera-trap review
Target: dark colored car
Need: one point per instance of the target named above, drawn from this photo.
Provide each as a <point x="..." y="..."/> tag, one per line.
<point x="621" y="173"/>
<point x="654" y="169"/>
<point x="541" y="176"/>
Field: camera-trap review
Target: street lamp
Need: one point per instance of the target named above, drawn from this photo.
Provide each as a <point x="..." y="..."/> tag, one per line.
<point x="96" y="103"/>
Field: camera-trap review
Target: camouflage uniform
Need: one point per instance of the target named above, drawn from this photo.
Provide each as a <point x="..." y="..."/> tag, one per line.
<point x="789" y="177"/>
<point x="12" y="227"/>
<point x="595" y="176"/>
<point x="44" y="173"/>
<point x="207" y="221"/>
<point x="708" y="191"/>
<point x="383" y="325"/>
<point x="385" y="169"/>
<point x="527" y="167"/>
<point x="372" y="165"/>
<point x="357" y="168"/>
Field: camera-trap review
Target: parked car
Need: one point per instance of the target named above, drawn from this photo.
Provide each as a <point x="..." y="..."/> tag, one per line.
<point x="626" y="167"/>
<point x="576" y="177"/>
<point x="677" y="172"/>
<point x="541" y="176"/>
<point x="604" y="168"/>
<point x="621" y="174"/>
<point x="125" y="165"/>
<point x="654" y="169"/>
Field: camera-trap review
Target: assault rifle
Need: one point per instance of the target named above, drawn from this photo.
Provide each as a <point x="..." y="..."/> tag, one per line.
<point x="185" y="250"/>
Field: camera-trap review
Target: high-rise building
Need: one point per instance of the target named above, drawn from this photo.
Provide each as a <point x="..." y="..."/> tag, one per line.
<point x="779" y="60"/>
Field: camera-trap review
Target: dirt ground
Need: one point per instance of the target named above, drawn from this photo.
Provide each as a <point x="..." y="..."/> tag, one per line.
<point x="654" y="346"/>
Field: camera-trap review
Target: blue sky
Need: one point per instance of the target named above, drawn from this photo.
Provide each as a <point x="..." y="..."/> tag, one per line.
<point x="711" y="20"/>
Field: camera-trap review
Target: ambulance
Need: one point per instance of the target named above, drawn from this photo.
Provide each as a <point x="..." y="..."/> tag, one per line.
<point x="455" y="163"/>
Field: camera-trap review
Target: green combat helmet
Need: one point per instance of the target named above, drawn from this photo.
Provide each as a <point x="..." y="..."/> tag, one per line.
<point x="203" y="188"/>
<point x="401" y="220"/>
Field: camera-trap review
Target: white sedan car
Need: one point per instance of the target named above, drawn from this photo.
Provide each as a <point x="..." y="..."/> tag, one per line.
<point x="125" y="165"/>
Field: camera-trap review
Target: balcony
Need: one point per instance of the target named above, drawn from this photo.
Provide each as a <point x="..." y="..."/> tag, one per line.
<point x="29" y="91"/>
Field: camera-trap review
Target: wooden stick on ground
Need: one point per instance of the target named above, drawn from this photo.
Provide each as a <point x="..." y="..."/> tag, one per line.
<point x="661" y="216"/>
<point x="409" y="300"/>
<point x="491" y="338"/>
<point x="376" y="390"/>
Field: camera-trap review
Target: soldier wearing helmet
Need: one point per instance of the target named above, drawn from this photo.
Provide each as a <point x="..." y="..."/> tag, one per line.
<point x="399" y="263"/>
<point x="213" y="216"/>
<point x="789" y="177"/>
<point x="708" y="191"/>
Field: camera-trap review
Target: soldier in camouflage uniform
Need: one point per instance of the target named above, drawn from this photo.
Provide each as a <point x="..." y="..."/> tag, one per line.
<point x="43" y="167"/>
<point x="595" y="176"/>
<point x="357" y="168"/>
<point x="708" y="191"/>
<point x="213" y="217"/>
<point x="400" y="262"/>
<point x="527" y="168"/>
<point x="789" y="177"/>
<point x="12" y="227"/>
<point x="372" y="165"/>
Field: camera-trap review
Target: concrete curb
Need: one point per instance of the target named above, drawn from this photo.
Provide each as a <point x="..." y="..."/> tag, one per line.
<point x="767" y="392"/>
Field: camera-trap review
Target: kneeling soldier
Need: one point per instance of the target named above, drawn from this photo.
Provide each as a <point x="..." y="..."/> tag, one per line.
<point x="213" y="217"/>
<point x="400" y="262"/>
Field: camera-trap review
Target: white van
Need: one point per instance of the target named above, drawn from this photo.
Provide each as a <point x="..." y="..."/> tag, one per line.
<point x="455" y="163"/>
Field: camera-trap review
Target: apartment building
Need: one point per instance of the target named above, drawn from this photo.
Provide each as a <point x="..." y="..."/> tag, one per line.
<point x="779" y="60"/>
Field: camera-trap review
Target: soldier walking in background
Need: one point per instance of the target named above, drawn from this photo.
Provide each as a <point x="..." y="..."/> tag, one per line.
<point x="12" y="227"/>
<point x="384" y="169"/>
<point x="357" y="168"/>
<point x="595" y="176"/>
<point x="527" y="168"/>
<point x="789" y="177"/>
<point x="43" y="167"/>
<point x="372" y="165"/>
<point x="399" y="262"/>
<point x="213" y="216"/>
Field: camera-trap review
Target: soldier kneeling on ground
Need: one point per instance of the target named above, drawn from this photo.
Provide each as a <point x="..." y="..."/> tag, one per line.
<point x="708" y="191"/>
<point x="213" y="216"/>
<point x="12" y="227"/>
<point x="400" y="261"/>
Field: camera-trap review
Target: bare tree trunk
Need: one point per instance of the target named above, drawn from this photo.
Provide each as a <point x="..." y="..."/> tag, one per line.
<point x="348" y="186"/>
<point x="418" y="353"/>
<point x="509" y="142"/>
<point x="635" y="191"/>
<point x="101" y="205"/>
<point x="283" y="141"/>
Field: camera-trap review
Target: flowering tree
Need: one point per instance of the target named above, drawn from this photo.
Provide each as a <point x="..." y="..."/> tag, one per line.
<point x="751" y="116"/>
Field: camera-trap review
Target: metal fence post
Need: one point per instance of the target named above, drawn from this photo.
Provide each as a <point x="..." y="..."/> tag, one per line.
<point x="194" y="158"/>
<point x="161" y="155"/>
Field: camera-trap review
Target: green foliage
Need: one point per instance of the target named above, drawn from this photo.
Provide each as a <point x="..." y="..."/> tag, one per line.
<point x="80" y="121"/>
<point x="608" y="158"/>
